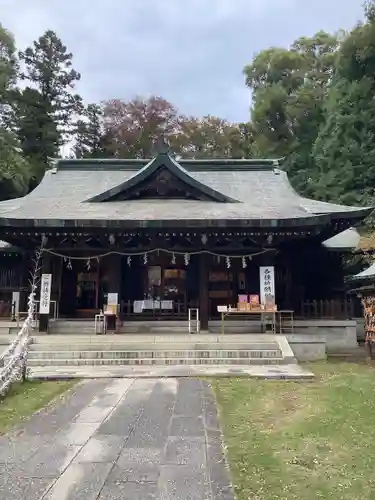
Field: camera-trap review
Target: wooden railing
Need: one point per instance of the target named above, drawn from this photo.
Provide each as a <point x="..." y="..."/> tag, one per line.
<point x="327" y="309"/>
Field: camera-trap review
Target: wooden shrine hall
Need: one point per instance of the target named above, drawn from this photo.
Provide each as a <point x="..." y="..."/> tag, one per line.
<point x="163" y="236"/>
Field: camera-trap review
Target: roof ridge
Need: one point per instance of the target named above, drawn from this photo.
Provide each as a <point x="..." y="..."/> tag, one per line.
<point x="188" y="164"/>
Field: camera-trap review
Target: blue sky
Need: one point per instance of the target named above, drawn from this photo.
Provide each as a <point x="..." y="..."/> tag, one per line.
<point x="191" y="52"/>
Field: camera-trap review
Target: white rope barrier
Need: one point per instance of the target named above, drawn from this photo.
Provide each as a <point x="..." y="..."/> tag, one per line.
<point x="13" y="361"/>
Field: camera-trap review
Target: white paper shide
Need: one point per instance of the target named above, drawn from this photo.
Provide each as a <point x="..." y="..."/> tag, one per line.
<point x="267" y="284"/>
<point x="45" y="293"/>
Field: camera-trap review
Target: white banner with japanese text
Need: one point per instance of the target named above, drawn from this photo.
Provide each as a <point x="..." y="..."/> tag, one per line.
<point x="267" y="285"/>
<point x="45" y="293"/>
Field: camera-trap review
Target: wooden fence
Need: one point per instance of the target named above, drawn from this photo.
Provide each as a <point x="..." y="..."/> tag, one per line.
<point x="329" y="309"/>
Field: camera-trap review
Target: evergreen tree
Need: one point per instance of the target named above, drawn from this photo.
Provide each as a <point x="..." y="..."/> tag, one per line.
<point x="91" y="140"/>
<point x="14" y="171"/>
<point x="344" y="151"/>
<point x="289" y="89"/>
<point x="8" y="75"/>
<point x="47" y="108"/>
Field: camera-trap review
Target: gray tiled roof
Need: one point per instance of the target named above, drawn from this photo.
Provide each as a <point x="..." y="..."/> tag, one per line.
<point x="366" y="274"/>
<point x="346" y="240"/>
<point x="263" y="192"/>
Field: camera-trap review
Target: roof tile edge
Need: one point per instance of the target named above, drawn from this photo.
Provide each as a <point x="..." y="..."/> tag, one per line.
<point x="188" y="164"/>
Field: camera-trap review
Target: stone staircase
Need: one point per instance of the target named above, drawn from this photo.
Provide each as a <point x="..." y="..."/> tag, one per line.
<point x="81" y="327"/>
<point x="155" y="327"/>
<point x="156" y="350"/>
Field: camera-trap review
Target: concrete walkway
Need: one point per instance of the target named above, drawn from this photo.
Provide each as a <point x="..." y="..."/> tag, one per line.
<point x="269" y="372"/>
<point x="118" y="439"/>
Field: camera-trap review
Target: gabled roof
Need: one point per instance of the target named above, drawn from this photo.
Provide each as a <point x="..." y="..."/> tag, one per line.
<point x="238" y="193"/>
<point x="162" y="160"/>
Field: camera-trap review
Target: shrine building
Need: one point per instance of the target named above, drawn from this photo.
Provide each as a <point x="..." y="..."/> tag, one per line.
<point x="167" y="235"/>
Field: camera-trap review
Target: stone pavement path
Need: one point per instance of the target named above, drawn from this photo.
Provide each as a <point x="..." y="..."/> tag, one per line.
<point x="128" y="439"/>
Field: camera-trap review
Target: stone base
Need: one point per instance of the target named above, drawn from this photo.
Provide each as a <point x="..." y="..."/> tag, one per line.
<point x="310" y="341"/>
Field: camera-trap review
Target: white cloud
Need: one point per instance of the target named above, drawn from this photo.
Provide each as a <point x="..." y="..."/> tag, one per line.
<point x="191" y="52"/>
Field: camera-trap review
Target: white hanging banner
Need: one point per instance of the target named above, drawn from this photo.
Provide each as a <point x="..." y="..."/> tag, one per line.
<point x="45" y="293"/>
<point x="267" y="285"/>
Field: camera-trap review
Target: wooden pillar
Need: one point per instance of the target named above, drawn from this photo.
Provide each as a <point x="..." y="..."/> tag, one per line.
<point x="204" y="262"/>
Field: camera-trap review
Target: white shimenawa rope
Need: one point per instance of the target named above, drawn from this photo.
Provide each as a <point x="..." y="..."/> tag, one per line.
<point x="14" y="359"/>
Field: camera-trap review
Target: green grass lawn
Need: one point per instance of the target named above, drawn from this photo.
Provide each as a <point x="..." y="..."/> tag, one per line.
<point x="302" y="440"/>
<point x="24" y="399"/>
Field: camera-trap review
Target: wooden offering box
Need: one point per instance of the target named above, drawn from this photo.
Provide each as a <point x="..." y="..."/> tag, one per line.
<point x="243" y="306"/>
<point x="254" y="303"/>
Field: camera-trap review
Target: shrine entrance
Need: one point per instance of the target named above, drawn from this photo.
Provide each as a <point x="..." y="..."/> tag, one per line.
<point x="163" y="286"/>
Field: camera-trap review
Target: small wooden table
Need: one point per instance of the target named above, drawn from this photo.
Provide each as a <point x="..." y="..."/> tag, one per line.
<point x="259" y="312"/>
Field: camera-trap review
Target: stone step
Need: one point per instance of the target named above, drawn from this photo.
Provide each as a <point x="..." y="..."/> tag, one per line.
<point x="162" y="330"/>
<point x="150" y="338"/>
<point x="122" y="331"/>
<point x="145" y="327"/>
<point x="159" y="345"/>
<point x="149" y="346"/>
<point x="85" y="330"/>
<point x="150" y="354"/>
<point x="66" y="327"/>
<point x="153" y="361"/>
<point x="6" y="339"/>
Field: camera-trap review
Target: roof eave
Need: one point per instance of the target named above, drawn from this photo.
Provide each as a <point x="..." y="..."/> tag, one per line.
<point x="357" y="213"/>
<point x="293" y="223"/>
<point x="344" y="241"/>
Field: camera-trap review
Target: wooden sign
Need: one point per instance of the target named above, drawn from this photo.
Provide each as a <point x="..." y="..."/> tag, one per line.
<point x="45" y="293"/>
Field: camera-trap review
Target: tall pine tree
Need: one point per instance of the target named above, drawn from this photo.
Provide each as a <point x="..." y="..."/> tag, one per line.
<point x="14" y="171"/>
<point x="47" y="107"/>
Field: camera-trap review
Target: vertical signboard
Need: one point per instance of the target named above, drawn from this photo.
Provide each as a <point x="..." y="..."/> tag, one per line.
<point x="45" y="293"/>
<point x="267" y="285"/>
